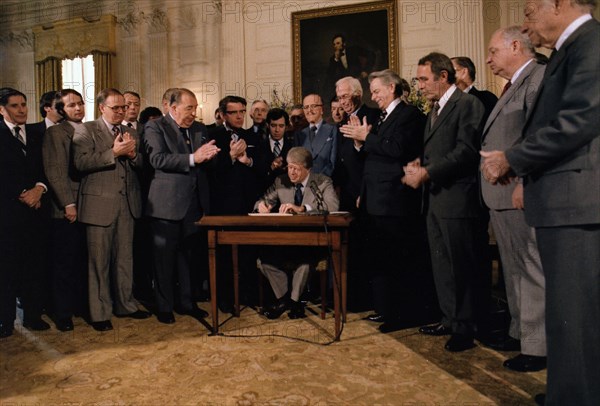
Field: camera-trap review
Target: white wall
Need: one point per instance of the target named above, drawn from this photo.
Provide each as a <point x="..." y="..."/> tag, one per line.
<point x="237" y="46"/>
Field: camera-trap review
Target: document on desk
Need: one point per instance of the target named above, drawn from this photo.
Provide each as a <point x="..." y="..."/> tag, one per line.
<point x="270" y="214"/>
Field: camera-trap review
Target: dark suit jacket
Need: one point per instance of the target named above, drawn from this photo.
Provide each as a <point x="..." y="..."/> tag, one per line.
<point x="350" y="164"/>
<point x="265" y="157"/>
<point x="323" y="149"/>
<point x="234" y="186"/>
<point x="174" y="181"/>
<point x="63" y="178"/>
<point x="451" y="157"/>
<point x="504" y="127"/>
<point x="18" y="172"/>
<point x="488" y="99"/>
<point x="397" y="142"/>
<point x="104" y="178"/>
<point x="560" y="154"/>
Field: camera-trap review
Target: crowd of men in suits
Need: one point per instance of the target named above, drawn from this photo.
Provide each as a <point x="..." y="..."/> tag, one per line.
<point x="417" y="184"/>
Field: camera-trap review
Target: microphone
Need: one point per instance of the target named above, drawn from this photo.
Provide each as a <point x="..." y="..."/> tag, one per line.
<point x="320" y="211"/>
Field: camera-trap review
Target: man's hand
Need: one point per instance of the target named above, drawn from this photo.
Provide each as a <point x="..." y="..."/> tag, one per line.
<point x="517" y="197"/>
<point x="124" y="146"/>
<point x="414" y="174"/>
<point x="31" y="197"/>
<point x="495" y="167"/>
<point x="263" y="207"/>
<point x="206" y="152"/>
<point x="277" y="163"/>
<point x="237" y="148"/>
<point x="291" y="208"/>
<point x="355" y="130"/>
<point x="71" y="213"/>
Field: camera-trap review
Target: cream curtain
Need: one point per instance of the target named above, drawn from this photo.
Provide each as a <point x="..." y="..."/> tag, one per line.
<point x="103" y="71"/>
<point x="47" y="76"/>
<point x="72" y="38"/>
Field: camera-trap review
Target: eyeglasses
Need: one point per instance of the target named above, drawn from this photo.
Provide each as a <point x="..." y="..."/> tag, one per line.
<point x="115" y="109"/>
<point x="311" y="106"/>
<point x="345" y="96"/>
<point x="231" y="112"/>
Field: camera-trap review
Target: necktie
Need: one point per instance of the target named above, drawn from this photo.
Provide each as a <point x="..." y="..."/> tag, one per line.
<point x="116" y="131"/>
<point x="130" y="125"/>
<point x="298" y="195"/>
<point x="234" y="136"/>
<point x="18" y="135"/>
<point x="21" y="139"/>
<point x="434" y="112"/>
<point x="276" y="149"/>
<point x="382" y="117"/>
<point x="312" y="133"/>
<point x="506" y="87"/>
<point x="186" y="138"/>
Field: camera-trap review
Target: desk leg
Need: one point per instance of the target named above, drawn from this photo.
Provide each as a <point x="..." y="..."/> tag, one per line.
<point x="236" y="279"/>
<point x="212" y="277"/>
<point x="337" y="264"/>
<point x="344" y="274"/>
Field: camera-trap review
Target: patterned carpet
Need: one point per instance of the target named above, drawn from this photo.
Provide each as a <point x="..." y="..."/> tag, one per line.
<point x="255" y="362"/>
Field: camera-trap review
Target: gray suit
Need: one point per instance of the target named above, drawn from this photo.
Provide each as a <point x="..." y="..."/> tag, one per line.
<point x="523" y="274"/>
<point x="62" y="176"/>
<point x="275" y="261"/>
<point x="323" y="148"/>
<point x="178" y="197"/>
<point x="67" y="242"/>
<point x="109" y="203"/>
<point x="559" y="159"/>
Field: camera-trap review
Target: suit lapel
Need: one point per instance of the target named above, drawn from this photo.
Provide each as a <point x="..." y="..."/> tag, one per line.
<point x="506" y="97"/>
<point x="446" y="111"/>
<point x="172" y="135"/>
<point x="106" y="137"/>
<point x="321" y="138"/>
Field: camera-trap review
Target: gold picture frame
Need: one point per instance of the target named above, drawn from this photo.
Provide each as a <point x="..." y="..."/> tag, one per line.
<point x="367" y="29"/>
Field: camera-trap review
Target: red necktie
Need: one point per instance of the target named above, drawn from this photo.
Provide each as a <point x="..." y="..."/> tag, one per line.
<point x="506" y="87"/>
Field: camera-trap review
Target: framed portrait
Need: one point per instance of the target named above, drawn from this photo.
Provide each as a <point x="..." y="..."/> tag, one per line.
<point x="351" y="40"/>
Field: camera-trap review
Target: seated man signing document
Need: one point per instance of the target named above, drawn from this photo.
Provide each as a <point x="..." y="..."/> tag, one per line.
<point x="293" y="192"/>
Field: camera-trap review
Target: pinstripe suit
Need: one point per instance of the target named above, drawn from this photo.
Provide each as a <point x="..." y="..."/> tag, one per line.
<point x="109" y="203"/>
<point x="523" y="274"/>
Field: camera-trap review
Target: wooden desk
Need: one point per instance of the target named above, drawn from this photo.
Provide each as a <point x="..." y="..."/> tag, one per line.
<point x="279" y="230"/>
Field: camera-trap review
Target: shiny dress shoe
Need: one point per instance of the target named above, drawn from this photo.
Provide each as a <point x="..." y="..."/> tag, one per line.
<point x="296" y="311"/>
<point x="540" y="399"/>
<point x="276" y="310"/>
<point x="6" y="330"/>
<point x="507" y="344"/>
<point x="459" y="342"/>
<point x="165" y="317"/>
<point x="391" y="326"/>
<point x="436" y="330"/>
<point x="36" y="324"/>
<point x="138" y="315"/>
<point x="64" y="324"/>
<point x="102" y="325"/>
<point x="375" y="317"/>
<point x="526" y="363"/>
<point x="195" y="312"/>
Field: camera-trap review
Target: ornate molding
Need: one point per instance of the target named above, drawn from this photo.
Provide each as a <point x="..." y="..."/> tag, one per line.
<point x="157" y="21"/>
<point x="75" y="37"/>
<point x="130" y="21"/>
<point x="23" y="39"/>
